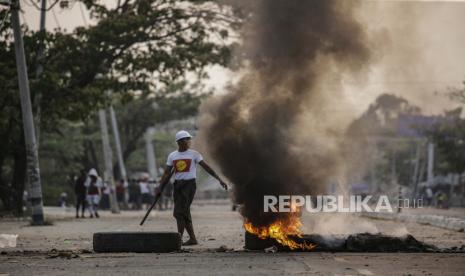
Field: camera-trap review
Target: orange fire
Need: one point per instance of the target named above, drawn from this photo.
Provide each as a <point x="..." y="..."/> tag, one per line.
<point x="281" y="230"/>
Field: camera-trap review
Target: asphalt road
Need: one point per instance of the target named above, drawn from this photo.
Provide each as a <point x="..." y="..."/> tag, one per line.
<point x="220" y="251"/>
<point x="238" y="263"/>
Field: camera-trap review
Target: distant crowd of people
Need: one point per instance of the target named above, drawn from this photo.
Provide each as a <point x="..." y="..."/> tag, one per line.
<point x="142" y="192"/>
<point x="93" y="194"/>
<point x="438" y="199"/>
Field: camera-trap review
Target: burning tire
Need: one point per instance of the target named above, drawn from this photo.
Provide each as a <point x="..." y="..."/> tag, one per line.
<point x="329" y="243"/>
<point x="361" y="242"/>
<point x="139" y="242"/>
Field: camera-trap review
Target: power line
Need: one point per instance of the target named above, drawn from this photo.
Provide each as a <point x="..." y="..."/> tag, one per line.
<point x="432" y="82"/>
<point x="32" y="4"/>
<point x="56" y="19"/>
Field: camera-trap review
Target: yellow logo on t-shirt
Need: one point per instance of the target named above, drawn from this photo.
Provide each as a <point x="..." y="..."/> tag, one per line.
<point x="182" y="165"/>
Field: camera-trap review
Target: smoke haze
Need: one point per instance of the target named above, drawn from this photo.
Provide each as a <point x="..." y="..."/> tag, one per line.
<point x="275" y="133"/>
<point x="420" y="46"/>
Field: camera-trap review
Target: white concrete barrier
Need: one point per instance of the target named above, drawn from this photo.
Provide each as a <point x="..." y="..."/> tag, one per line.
<point x="449" y="223"/>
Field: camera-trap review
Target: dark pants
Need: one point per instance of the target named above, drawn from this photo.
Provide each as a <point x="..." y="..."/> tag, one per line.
<point x="80" y="202"/>
<point x="184" y="191"/>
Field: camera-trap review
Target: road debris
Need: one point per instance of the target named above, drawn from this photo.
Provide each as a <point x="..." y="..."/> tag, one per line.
<point x="271" y="249"/>
<point x="62" y="254"/>
<point x="8" y="240"/>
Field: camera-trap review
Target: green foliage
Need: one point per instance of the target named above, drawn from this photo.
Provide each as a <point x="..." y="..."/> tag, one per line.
<point x="449" y="139"/>
<point x="448" y="136"/>
<point x="374" y="137"/>
<point x="75" y="146"/>
<point x="138" y="49"/>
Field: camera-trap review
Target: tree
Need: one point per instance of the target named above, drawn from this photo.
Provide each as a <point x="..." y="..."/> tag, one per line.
<point x="448" y="136"/>
<point x="377" y="150"/>
<point x="449" y="139"/>
<point x="75" y="146"/>
<point x="382" y="116"/>
<point x="136" y="49"/>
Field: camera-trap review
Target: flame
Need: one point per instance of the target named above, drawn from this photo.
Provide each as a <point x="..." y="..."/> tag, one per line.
<point x="281" y="230"/>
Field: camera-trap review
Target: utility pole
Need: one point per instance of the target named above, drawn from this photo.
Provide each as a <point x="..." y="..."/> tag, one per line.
<point x="416" y="171"/>
<point x="151" y="160"/>
<point x="108" y="175"/>
<point x="374" y="181"/>
<point x="119" y="152"/>
<point x="40" y="68"/>
<point x="393" y="166"/>
<point x="430" y="173"/>
<point x="32" y="155"/>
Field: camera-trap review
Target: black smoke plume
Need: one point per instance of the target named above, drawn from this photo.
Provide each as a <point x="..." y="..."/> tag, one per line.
<point x="269" y="134"/>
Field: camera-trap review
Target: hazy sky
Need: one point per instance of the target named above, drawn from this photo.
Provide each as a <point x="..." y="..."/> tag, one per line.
<point x="420" y="49"/>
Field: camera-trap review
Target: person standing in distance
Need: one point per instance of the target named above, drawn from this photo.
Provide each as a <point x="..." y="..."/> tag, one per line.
<point x="183" y="164"/>
<point x="80" y="191"/>
<point x="94" y="192"/>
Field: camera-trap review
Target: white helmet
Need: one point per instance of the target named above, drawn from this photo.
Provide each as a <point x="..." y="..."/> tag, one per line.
<point x="93" y="172"/>
<point x="182" y="134"/>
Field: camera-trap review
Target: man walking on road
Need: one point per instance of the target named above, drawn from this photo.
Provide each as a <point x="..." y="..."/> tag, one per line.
<point x="183" y="164"/>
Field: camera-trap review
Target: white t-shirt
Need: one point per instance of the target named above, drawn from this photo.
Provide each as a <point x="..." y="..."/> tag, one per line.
<point x="98" y="183"/>
<point x="184" y="163"/>
<point x="144" y="187"/>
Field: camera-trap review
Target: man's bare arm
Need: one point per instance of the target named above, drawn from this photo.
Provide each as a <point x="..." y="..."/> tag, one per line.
<point x="209" y="170"/>
<point x="166" y="177"/>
